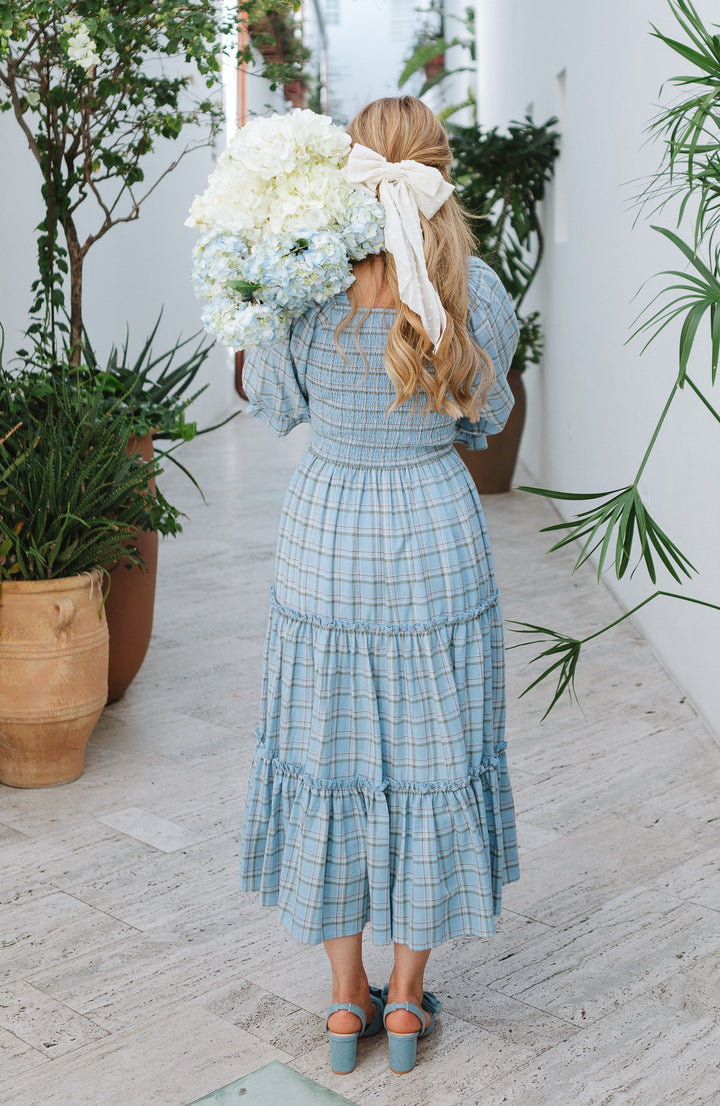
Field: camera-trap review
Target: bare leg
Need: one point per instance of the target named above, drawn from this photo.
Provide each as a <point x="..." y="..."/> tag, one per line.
<point x="406" y="985"/>
<point x="350" y="983"/>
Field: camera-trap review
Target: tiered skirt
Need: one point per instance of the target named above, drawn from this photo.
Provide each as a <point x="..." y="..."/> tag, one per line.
<point x="379" y="792"/>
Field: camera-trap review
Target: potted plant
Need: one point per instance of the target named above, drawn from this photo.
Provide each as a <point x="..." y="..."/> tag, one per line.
<point x="155" y="393"/>
<point x="71" y="497"/>
<point x="274" y="33"/>
<point x="501" y="182"/>
<point x="429" y="48"/>
<point x="83" y="84"/>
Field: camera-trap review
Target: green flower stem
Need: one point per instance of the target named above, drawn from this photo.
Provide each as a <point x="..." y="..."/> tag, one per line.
<point x="703" y="398"/>
<point x="656" y="431"/>
<point x="563" y="652"/>
<point x="639" y="606"/>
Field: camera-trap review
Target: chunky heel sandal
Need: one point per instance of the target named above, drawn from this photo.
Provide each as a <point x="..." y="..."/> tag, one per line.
<point x="402" y="1047"/>
<point x="343" y="1046"/>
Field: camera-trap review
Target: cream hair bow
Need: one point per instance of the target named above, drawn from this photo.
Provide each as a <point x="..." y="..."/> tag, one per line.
<point x="405" y="188"/>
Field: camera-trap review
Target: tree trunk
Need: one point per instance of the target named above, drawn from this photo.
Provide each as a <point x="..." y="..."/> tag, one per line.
<point x="76" y="258"/>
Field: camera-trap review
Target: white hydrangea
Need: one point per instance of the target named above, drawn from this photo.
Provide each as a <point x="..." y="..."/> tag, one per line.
<point x="283" y="227"/>
<point x="81" y="48"/>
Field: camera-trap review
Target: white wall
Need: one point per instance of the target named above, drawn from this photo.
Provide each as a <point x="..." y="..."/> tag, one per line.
<point x="368" y="44"/>
<point x="594" y="401"/>
<point x="137" y="269"/>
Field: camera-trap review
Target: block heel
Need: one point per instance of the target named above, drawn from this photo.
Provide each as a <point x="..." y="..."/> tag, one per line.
<point x="402" y="1051"/>
<point x="343" y="1052"/>
<point x="402" y="1047"/>
<point x="343" y="1046"/>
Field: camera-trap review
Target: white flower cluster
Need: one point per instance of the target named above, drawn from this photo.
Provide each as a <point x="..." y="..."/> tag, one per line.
<point x="81" y="48"/>
<point x="283" y="226"/>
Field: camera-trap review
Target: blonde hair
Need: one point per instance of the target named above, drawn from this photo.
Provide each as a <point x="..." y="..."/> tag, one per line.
<point x="401" y="129"/>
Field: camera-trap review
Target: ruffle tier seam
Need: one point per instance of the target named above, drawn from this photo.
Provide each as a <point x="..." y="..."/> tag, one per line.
<point x="353" y="785"/>
<point x="367" y="626"/>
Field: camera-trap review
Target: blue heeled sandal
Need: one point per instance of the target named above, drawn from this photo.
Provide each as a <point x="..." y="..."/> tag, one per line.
<point x="343" y="1046"/>
<point x="402" y="1047"/>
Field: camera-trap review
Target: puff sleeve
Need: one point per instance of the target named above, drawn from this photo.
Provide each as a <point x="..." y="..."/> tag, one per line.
<point x="273" y="380"/>
<point x="494" y="327"/>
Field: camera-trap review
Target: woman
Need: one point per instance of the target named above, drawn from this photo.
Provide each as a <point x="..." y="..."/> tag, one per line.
<point x="379" y="791"/>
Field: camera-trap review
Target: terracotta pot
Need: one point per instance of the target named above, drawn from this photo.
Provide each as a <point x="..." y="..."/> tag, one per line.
<point x="274" y="52"/>
<point x="131" y="601"/>
<point x="433" y="67"/>
<point x="53" y="677"/>
<point x="296" y="93"/>
<point x="492" y="468"/>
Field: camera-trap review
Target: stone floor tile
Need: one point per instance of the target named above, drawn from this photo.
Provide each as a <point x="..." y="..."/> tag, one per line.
<point x="162" y="834"/>
<point x="48" y="929"/>
<point x="584" y="969"/>
<point x="509" y="1019"/>
<point x="49" y="1026"/>
<point x="165" y="1061"/>
<point x="8" y="833"/>
<point x="267" y="1015"/>
<point x="558" y="884"/>
<point x="696" y="880"/>
<point x="694" y="989"/>
<point x="18" y="1057"/>
<point x="642" y="1054"/>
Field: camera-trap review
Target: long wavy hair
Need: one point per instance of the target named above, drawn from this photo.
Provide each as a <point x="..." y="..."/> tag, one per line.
<point x="457" y="378"/>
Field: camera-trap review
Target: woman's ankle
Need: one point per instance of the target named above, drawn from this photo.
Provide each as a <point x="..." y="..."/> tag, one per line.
<point x="405" y="989"/>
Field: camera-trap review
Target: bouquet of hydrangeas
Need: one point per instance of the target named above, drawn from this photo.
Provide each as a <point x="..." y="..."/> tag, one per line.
<point x="282" y="227"/>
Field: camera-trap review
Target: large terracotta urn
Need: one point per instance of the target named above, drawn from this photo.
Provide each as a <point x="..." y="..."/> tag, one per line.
<point x="492" y="469"/>
<point x="53" y="676"/>
<point x="131" y="600"/>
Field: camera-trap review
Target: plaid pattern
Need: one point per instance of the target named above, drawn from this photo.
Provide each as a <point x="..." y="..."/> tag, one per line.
<point x="379" y="791"/>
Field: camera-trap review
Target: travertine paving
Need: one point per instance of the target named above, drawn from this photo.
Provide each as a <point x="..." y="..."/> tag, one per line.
<point x="132" y="973"/>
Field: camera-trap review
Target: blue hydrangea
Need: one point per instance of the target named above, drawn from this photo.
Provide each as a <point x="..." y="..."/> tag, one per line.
<point x="296" y="270"/>
<point x="364" y="230"/>
<point x="238" y="324"/>
<point x="217" y="258"/>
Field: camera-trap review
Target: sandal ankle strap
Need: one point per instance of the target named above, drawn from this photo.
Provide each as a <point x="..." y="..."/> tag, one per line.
<point x="352" y="1008"/>
<point x="413" y="1009"/>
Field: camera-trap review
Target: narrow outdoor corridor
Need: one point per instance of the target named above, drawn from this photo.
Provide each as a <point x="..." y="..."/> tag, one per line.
<point x="134" y="973"/>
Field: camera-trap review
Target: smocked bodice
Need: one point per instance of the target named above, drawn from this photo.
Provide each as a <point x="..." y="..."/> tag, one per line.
<point x="336" y="380"/>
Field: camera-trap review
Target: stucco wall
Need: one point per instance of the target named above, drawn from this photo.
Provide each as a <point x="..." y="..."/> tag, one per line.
<point x="594" y="401"/>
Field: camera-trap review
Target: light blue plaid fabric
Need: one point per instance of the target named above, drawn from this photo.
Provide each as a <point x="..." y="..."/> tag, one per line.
<point x="379" y="791"/>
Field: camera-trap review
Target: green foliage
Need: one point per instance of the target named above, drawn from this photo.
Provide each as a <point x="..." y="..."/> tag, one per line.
<point x="155" y="394"/>
<point x="431" y="43"/>
<point x="563" y="651"/>
<point x="623" y="514"/>
<point x="275" y="34"/>
<point x="91" y="126"/>
<point x="92" y="123"/>
<point x="71" y="494"/>
<point x="153" y="390"/>
<point x="689" y="179"/>
<point x="689" y="128"/>
<point x="501" y="182"/>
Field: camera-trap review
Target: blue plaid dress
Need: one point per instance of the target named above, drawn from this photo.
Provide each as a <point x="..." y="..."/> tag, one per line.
<point x="379" y="790"/>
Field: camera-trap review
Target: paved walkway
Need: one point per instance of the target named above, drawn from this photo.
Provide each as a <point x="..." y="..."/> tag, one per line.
<point x="133" y="974"/>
